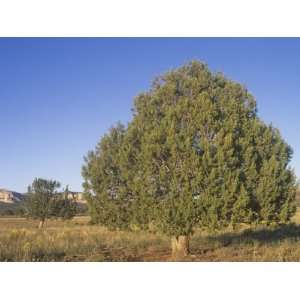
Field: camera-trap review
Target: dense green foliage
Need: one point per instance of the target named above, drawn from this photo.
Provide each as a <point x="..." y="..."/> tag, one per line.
<point x="105" y="180"/>
<point x="44" y="201"/>
<point x="194" y="154"/>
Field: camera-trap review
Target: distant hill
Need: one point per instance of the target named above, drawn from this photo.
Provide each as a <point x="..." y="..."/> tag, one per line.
<point x="10" y="197"/>
<point x="77" y="197"/>
<point x="12" y="203"/>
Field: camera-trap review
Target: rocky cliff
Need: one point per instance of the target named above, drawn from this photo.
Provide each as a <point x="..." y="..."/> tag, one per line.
<point x="10" y="197"/>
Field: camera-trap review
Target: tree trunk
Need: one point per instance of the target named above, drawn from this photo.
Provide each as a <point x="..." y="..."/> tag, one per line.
<point x="41" y="224"/>
<point x="180" y="246"/>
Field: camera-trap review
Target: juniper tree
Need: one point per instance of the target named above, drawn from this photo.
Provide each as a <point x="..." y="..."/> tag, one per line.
<point x="194" y="154"/>
<point x="104" y="186"/>
<point x="45" y="201"/>
<point x="41" y="198"/>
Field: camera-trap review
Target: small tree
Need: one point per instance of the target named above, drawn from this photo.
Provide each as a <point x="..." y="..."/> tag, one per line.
<point x="41" y="198"/>
<point x="195" y="154"/>
<point x="44" y="201"/>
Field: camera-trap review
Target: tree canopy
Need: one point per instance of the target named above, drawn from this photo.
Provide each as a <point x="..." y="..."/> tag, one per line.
<point x="195" y="154"/>
<point x="44" y="201"/>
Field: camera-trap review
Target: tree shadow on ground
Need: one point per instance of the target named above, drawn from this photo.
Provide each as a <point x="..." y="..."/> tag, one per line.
<point x="267" y="235"/>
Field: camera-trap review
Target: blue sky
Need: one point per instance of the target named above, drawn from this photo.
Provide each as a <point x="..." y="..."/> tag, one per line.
<point x="59" y="96"/>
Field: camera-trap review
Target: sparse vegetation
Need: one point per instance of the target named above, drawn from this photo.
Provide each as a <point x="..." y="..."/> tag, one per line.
<point x="76" y="240"/>
<point x="14" y="209"/>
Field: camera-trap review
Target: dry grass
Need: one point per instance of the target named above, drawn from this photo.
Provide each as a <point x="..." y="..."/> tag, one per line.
<point x="20" y="240"/>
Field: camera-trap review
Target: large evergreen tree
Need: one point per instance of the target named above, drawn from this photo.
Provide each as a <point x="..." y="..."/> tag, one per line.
<point x="195" y="154"/>
<point x="104" y="185"/>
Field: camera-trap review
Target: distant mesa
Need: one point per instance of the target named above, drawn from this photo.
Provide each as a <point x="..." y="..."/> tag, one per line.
<point x="11" y="197"/>
<point x="77" y="197"/>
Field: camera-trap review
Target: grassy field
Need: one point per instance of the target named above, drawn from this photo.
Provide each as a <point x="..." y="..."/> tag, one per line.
<point x="76" y="240"/>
